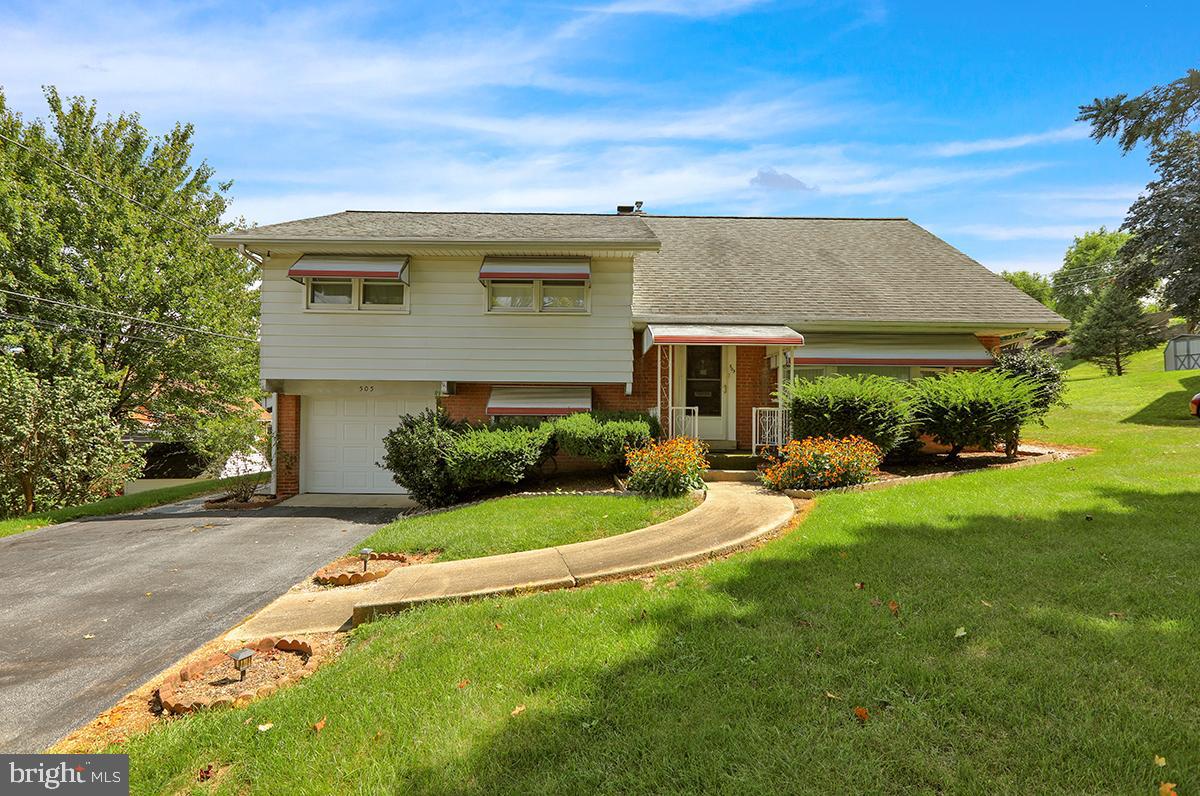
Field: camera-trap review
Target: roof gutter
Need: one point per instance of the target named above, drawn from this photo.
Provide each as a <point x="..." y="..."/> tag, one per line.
<point x="859" y="325"/>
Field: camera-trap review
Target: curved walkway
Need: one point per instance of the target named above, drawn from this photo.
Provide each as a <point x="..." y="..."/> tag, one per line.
<point x="732" y="515"/>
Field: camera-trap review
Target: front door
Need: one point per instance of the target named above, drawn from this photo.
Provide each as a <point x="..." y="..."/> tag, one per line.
<point x="705" y="386"/>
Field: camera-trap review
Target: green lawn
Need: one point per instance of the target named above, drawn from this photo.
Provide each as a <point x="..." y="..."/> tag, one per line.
<point x="117" y="505"/>
<point x="517" y="523"/>
<point x="1078" y="664"/>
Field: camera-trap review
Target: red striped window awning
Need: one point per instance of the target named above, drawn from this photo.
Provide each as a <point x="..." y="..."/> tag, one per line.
<point x="722" y="334"/>
<point x="350" y="267"/>
<point x="544" y="268"/>
<point x="538" y="401"/>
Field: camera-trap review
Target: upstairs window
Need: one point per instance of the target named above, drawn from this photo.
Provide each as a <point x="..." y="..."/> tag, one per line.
<point x="537" y="295"/>
<point x="356" y="294"/>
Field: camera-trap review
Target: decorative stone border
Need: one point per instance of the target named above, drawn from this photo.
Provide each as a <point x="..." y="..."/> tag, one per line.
<point x="1037" y="457"/>
<point x="325" y="575"/>
<point x="166" y="691"/>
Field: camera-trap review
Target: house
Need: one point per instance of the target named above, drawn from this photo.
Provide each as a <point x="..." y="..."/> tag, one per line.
<point x="369" y="315"/>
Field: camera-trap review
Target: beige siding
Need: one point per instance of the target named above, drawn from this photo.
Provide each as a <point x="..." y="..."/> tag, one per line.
<point x="448" y="336"/>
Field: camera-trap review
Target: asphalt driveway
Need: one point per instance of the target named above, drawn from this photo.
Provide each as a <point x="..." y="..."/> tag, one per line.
<point x="149" y="587"/>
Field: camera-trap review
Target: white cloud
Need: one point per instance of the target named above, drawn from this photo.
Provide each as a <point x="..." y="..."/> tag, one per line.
<point x="1021" y="232"/>
<point x="1075" y="132"/>
<point x="682" y="8"/>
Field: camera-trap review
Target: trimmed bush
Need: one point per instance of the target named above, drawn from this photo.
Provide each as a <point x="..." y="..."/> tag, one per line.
<point x="876" y="408"/>
<point x="667" y="468"/>
<point x="603" y="442"/>
<point x="1041" y="368"/>
<point x="606" y="415"/>
<point x="821" y="463"/>
<point x="416" y="451"/>
<point x="484" y="458"/>
<point x="976" y="409"/>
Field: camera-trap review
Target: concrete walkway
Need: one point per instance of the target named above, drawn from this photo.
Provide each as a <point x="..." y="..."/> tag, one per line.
<point x="733" y="515"/>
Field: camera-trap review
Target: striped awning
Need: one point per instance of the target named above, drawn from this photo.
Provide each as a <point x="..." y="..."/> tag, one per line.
<point x="544" y="268"/>
<point x="537" y="401"/>
<point x="350" y="267"/>
<point x="720" y="334"/>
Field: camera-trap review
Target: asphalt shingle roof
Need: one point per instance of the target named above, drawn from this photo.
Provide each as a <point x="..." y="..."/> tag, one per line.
<point x="797" y="270"/>
<point x="484" y="227"/>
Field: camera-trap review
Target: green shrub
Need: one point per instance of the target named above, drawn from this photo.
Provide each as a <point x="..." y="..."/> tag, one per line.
<point x="975" y="409"/>
<point x="603" y="442"/>
<point x="1043" y="370"/>
<point x="606" y="415"/>
<point x="671" y="467"/>
<point x="484" y="458"/>
<point x="416" y="451"/>
<point x="876" y="408"/>
<point x="821" y="463"/>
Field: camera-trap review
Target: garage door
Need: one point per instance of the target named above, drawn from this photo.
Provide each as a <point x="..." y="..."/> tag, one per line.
<point x="342" y="438"/>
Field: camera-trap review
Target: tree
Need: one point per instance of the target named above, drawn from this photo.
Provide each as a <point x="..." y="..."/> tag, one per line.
<point x="58" y="445"/>
<point x="1091" y="262"/>
<point x="1153" y="116"/>
<point x="1165" y="220"/>
<point x="1036" y="286"/>
<point x="114" y="267"/>
<point x="1112" y="329"/>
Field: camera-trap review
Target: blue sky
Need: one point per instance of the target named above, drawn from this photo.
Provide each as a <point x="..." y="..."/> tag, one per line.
<point x="957" y="115"/>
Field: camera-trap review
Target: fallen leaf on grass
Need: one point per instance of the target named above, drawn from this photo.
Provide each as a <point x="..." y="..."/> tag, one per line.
<point x="518" y="710"/>
<point x="1167" y="789"/>
<point x="1160" y="761"/>
<point x="205" y="774"/>
<point x="986" y="603"/>
<point x="894" y="607"/>
<point x="265" y="727"/>
<point x="960" y="632"/>
<point x="862" y="715"/>
<point x="378" y="734"/>
<point x="858" y="584"/>
<point x="320" y="725"/>
<point x="831" y="695"/>
<point x="1116" y="614"/>
<point x="463" y="683"/>
<point x="499" y="626"/>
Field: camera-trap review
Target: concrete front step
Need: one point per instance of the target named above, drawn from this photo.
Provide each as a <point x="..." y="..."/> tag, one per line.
<point x="747" y="476"/>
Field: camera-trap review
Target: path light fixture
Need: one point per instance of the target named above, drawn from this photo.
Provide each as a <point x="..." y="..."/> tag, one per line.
<point x="241" y="660"/>
<point x="365" y="555"/>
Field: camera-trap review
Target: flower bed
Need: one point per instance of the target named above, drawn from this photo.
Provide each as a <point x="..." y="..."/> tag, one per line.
<point x="348" y="571"/>
<point x="821" y="463"/>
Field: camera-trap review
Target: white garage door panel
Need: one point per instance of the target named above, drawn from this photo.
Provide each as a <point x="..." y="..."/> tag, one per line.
<point x="342" y="440"/>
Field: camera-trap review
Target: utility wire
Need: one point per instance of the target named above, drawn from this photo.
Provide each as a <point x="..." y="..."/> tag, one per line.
<point x="42" y="322"/>
<point x="132" y="318"/>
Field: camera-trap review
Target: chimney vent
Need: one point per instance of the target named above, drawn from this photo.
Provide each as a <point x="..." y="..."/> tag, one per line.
<point x="634" y="209"/>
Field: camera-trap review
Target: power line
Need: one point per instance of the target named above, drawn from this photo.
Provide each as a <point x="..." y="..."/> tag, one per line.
<point x="48" y="324"/>
<point x="132" y="318"/>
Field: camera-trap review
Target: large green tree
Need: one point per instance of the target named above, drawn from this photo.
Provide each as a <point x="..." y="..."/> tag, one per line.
<point x="107" y="271"/>
<point x="1165" y="219"/>
<point x="1090" y="263"/>
<point x="1114" y="327"/>
<point x="1034" y="285"/>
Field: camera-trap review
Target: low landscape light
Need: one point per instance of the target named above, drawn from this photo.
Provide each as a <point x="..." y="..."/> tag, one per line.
<point x="365" y="554"/>
<point x="241" y="660"/>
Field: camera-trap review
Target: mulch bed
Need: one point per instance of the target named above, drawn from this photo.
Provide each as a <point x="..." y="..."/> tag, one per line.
<point x="349" y="571"/>
<point x="229" y="502"/>
<point x="221" y="684"/>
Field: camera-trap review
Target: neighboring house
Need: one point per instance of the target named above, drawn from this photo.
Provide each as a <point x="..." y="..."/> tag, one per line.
<point x="369" y="315"/>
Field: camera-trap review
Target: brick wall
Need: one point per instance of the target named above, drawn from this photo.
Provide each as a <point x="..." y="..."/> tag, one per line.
<point x="287" y="454"/>
<point x="754" y="386"/>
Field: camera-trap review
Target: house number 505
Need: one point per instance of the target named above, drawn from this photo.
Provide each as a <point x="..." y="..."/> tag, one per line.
<point x="366" y="388"/>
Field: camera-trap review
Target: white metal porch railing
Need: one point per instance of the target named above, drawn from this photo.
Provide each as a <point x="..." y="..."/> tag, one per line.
<point x="681" y="421"/>
<point x="772" y="427"/>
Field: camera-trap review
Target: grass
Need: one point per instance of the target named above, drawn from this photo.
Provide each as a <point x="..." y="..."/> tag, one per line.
<point x="116" y="505"/>
<point x="1077" y="667"/>
<point x="510" y="524"/>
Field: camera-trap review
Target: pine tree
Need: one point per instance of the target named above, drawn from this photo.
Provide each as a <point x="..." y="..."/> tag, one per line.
<point x="1112" y="329"/>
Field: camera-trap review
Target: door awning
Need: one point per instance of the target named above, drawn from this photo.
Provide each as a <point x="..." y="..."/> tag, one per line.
<point x="509" y="401"/>
<point x="544" y="268"/>
<point x="961" y="350"/>
<point x="723" y="334"/>
<point x="350" y="267"/>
